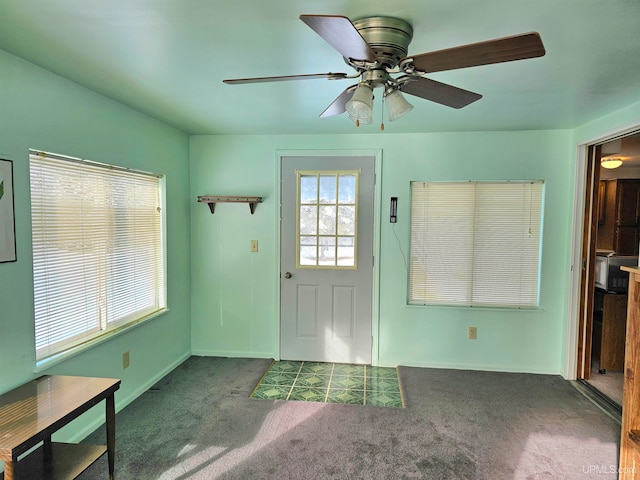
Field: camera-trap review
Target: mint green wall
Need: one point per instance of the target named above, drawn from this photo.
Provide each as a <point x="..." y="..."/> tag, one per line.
<point x="234" y="292"/>
<point x="222" y="298"/>
<point x="614" y="122"/>
<point x="508" y="340"/>
<point x="234" y="295"/>
<point x="44" y="111"/>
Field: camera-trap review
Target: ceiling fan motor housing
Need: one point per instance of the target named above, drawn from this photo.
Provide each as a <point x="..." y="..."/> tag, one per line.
<point x="388" y="37"/>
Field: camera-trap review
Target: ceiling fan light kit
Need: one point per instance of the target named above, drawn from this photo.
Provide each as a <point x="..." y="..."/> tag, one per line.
<point x="376" y="47"/>
<point x="360" y="105"/>
<point x="397" y="105"/>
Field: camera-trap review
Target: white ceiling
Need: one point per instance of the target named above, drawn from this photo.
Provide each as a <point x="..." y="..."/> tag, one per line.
<point x="167" y="58"/>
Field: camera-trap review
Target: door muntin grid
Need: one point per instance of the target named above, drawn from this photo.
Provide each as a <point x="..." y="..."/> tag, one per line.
<point x="327" y="219"/>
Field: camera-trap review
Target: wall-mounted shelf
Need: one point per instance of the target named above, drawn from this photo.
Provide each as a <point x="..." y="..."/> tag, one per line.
<point x="212" y="200"/>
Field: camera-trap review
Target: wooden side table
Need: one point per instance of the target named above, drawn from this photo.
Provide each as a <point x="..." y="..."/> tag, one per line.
<point x="31" y="413"/>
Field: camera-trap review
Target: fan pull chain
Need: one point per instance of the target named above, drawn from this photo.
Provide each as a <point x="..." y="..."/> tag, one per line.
<point x="382" y="114"/>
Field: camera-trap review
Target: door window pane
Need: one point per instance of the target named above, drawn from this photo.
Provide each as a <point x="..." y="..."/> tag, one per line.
<point x="346" y="250"/>
<point x="308" y="250"/>
<point x="328" y="189"/>
<point x="347" y="188"/>
<point x="327" y="217"/>
<point x="327" y="223"/>
<point x="346" y="220"/>
<point x="327" y="251"/>
<point x="308" y="255"/>
<point x="308" y="220"/>
<point x="308" y="188"/>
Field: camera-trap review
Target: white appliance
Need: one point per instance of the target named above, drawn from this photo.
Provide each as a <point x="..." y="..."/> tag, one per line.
<point x="608" y="275"/>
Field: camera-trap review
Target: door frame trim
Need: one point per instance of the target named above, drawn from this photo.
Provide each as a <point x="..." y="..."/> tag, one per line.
<point x="377" y="201"/>
<point x="582" y="146"/>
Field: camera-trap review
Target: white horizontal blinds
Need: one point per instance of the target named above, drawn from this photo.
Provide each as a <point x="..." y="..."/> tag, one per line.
<point x="440" y="256"/>
<point x="475" y="243"/>
<point x="507" y="244"/>
<point x="97" y="248"/>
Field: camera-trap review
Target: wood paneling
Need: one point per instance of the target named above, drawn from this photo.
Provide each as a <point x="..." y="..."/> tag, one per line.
<point x="629" y="444"/>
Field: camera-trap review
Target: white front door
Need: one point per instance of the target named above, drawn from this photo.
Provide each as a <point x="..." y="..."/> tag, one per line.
<point x="326" y="269"/>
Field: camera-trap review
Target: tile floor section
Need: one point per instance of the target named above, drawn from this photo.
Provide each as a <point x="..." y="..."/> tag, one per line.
<point x="330" y="383"/>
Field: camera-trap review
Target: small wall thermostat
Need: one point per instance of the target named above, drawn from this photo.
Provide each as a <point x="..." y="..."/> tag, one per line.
<point x="393" y="210"/>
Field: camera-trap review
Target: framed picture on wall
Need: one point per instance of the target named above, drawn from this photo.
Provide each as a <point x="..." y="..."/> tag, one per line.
<point x="7" y="213"/>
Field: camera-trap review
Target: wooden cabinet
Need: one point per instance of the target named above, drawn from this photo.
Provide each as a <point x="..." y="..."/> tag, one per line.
<point x="630" y="429"/>
<point x="619" y="216"/>
<point x="627" y="202"/>
<point x="610" y="330"/>
<point x="602" y="196"/>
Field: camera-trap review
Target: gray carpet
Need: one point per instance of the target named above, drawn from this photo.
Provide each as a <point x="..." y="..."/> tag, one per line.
<point x="199" y="423"/>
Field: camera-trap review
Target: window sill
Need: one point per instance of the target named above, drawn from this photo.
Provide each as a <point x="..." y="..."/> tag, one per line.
<point x="478" y="307"/>
<point x="57" y="358"/>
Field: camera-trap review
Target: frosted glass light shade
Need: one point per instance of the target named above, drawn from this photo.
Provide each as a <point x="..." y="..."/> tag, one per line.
<point x="610" y="162"/>
<point x="360" y="105"/>
<point x="397" y="105"/>
<point x="363" y="120"/>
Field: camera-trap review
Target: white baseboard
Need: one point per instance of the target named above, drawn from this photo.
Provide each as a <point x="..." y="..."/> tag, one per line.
<point x="123" y="402"/>
<point x="233" y="354"/>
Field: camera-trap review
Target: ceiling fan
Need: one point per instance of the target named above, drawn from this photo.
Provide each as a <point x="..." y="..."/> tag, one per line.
<point x="376" y="47"/>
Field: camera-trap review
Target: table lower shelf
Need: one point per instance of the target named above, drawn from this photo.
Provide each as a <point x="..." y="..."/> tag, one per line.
<point x="69" y="460"/>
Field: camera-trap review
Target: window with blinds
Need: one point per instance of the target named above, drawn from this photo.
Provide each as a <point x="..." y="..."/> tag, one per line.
<point x="98" y="254"/>
<point x="476" y="243"/>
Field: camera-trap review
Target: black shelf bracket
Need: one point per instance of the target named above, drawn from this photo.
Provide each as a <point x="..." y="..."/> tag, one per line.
<point x="212" y="200"/>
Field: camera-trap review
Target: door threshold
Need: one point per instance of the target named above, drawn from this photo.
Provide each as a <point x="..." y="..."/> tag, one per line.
<point x="608" y="406"/>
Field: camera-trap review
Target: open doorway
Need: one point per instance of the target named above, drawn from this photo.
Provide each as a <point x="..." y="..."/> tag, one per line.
<point x="611" y="238"/>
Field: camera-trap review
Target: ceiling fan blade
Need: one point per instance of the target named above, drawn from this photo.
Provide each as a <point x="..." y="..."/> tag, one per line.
<point x="438" y="92"/>
<point x="341" y="34"/>
<point x="337" y="106"/>
<point x="330" y="76"/>
<point x="507" y="49"/>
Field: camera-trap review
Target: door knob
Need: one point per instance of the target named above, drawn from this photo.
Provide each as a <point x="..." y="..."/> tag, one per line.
<point x="287" y="274"/>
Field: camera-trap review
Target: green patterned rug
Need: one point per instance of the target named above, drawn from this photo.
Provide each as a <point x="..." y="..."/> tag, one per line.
<point x="330" y="383"/>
